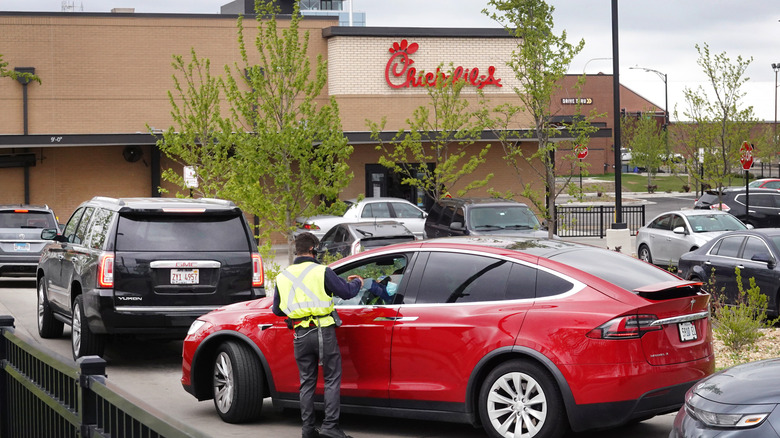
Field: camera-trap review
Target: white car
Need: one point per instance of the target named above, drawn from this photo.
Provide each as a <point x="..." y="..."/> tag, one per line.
<point x="669" y="235"/>
<point x="369" y="210"/>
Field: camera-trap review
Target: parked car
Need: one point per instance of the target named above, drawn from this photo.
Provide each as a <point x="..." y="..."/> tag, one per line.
<point x="739" y="402"/>
<point x="669" y="235"/>
<point x="766" y="183"/>
<point x="368" y="210"/>
<point x="764" y="205"/>
<point x="20" y="238"/>
<point x="481" y="216"/>
<point x="523" y="336"/>
<point x="755" y="252"/>
<point x="351" y="238"/>
<point x="143" y="266"/>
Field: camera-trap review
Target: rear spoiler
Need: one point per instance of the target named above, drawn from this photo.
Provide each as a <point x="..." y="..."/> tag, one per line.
<point x="670" y="289"/>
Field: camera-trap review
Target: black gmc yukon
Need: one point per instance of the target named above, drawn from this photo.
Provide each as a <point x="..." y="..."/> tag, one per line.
<point x="144" y="266"/>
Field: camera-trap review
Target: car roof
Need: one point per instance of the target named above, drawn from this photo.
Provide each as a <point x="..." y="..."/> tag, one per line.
<point x="24" y="207"/>
<point x="691" y="212"/>
<point x="162" y="204"/>
<point x="482" y="201"/>
<point x="538" y="247"/>
<point x="379" y="199"/>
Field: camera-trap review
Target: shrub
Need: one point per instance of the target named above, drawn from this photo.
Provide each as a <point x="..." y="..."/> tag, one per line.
<point x="738" y="325"/>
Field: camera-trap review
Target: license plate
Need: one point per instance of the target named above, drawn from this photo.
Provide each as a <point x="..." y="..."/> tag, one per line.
<point x="21" y="246"/>
<point x="184" y="276"/>
<point x="687" y="331"/>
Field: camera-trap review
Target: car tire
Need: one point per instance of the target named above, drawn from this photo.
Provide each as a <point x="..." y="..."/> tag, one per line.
<point x="644" y="254"/>
<point x="84" y="342"/>
<point x="521" y="394"/>
<point x="48" y="326"/>
<point x="238" y="383"/>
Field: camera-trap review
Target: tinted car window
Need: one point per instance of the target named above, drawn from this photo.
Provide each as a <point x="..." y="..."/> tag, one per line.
<point x="729" y="246"/>
<point x="376" y="209"/>
<point x="677" y="221"/>
<point x="662" y="223"/>
<point x="762" y="201"/>
<point x="181" y="233"/>
<point x="81" y="231"/>
<point x="548" y="285"/>
<point x="30" y="219"/>
<point x="463" y="278"/>
<point x="458" y="216"/>
<point x="754" y="246"/>
<point x="446" y="215"/>
<point x="620" y="269"/>
<point x="101" y="224"/>
<point x="433" y="216"/>
<point x="73" y="223"/>
<point x="522" y="282"/>
<point x="406" y="211"/>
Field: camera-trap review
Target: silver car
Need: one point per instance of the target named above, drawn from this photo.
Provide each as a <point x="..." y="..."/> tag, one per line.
<point x="369" y="210"/>
<point x="669" y="235"/>
<point x="20" y="238"/>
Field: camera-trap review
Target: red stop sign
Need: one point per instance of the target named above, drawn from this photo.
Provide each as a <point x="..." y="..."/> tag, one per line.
<point x="582" y="152"/>
<point x="746" y="155"/>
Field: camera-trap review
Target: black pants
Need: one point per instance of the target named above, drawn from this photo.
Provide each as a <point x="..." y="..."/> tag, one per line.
<point x="307" y="349"/>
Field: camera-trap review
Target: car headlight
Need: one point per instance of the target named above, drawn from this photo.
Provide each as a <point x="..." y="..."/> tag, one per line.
<point x="195" y="326"/>
<point x="726" y="420"/>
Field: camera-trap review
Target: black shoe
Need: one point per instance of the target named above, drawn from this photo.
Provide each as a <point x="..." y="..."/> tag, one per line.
<point x="312" y="434"/>
<point x="334" y="433"/>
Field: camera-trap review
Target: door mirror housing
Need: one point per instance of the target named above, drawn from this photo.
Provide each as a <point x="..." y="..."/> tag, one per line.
<point x="764" y="257"/>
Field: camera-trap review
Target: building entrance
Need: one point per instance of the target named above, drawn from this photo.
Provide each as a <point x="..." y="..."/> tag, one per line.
<point x="381" y="181"/>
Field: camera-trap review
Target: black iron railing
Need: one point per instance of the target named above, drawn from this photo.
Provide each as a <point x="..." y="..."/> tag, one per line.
<point x="594" y="220"/>
<point x="42" y="395"/>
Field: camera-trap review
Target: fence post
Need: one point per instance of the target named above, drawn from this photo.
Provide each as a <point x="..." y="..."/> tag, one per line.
<point x="601" y="221"/>
<point x="6" y="322"/>
<point x="90" y="367"/>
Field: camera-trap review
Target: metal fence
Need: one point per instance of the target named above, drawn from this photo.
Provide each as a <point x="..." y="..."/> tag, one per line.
<point x="594" y="220"/>
<point x="43" y="396"/>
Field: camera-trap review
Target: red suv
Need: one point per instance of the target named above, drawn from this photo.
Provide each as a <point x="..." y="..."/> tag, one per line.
<point x="524" y="337"/>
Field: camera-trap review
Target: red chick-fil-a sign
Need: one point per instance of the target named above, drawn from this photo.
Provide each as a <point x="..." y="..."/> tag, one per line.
<point x="399" y="72"/>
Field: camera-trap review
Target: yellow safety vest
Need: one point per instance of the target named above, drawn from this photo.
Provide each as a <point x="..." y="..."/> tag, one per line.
<point x="302" y="294"/>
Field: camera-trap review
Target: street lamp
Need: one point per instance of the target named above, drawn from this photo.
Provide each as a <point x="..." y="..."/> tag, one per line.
<point x="775" y="67"/>
<point x="666" y="94"/>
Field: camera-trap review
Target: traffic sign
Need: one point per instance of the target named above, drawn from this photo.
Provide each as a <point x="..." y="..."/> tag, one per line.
<point x="582" y="151"/>
<point x="746" y="155"/>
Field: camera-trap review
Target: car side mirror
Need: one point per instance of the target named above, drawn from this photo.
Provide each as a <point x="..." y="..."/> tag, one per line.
<point x="764" y="257"/>
<point x="456" y="225"/>
<point x="49" y="234"/>
<point x="679" y="230"/>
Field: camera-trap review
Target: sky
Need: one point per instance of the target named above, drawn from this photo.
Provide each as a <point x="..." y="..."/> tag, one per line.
<point x="660" y="35"/>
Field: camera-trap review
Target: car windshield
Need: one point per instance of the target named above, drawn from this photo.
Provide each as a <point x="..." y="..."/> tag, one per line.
<point x="26" y="219"/>
<point x="715" y="222"/>
<point x="619" y="269"/>
<point x="504" y="217"/>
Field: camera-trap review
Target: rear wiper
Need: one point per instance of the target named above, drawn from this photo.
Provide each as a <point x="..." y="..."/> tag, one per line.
<point x="365" y="233"/>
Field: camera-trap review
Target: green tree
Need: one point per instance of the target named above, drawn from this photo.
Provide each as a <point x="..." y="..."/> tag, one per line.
<point x="442" y="134"/>
<point x="645" y="137"/>
<point x="13" y="74"/>
<point x="719" y="123"/>
<point x="200" y="136"/>
<point x="261" y="135"/>
<point x="540" y="61"/>
<point x="290" y="149"/>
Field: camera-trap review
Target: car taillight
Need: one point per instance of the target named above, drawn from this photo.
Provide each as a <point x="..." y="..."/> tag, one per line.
<point x="258" y="279"/>
<point x="310" y="227"/>
<point x="355" y="248"/>
<point x="106" y="271"/>
<point x="625" y="327"/>
<point x="722" y="207"/>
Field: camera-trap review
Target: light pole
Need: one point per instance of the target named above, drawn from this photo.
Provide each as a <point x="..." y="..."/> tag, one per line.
<point x="776" y="68"/>
<point x="666" y="98"/>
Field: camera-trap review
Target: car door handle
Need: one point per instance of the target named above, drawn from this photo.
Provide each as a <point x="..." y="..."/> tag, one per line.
<point x="264" y="326"/>
<point x="396" y="318"/>
<point x="740" y="267"/>
<point x="708" y="263"/>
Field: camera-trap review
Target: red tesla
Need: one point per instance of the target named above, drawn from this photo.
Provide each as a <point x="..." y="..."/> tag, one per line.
<point x="521" y="336"/>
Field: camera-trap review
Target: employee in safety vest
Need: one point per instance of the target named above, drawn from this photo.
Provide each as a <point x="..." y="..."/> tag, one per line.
<point x="304" y="293"/>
